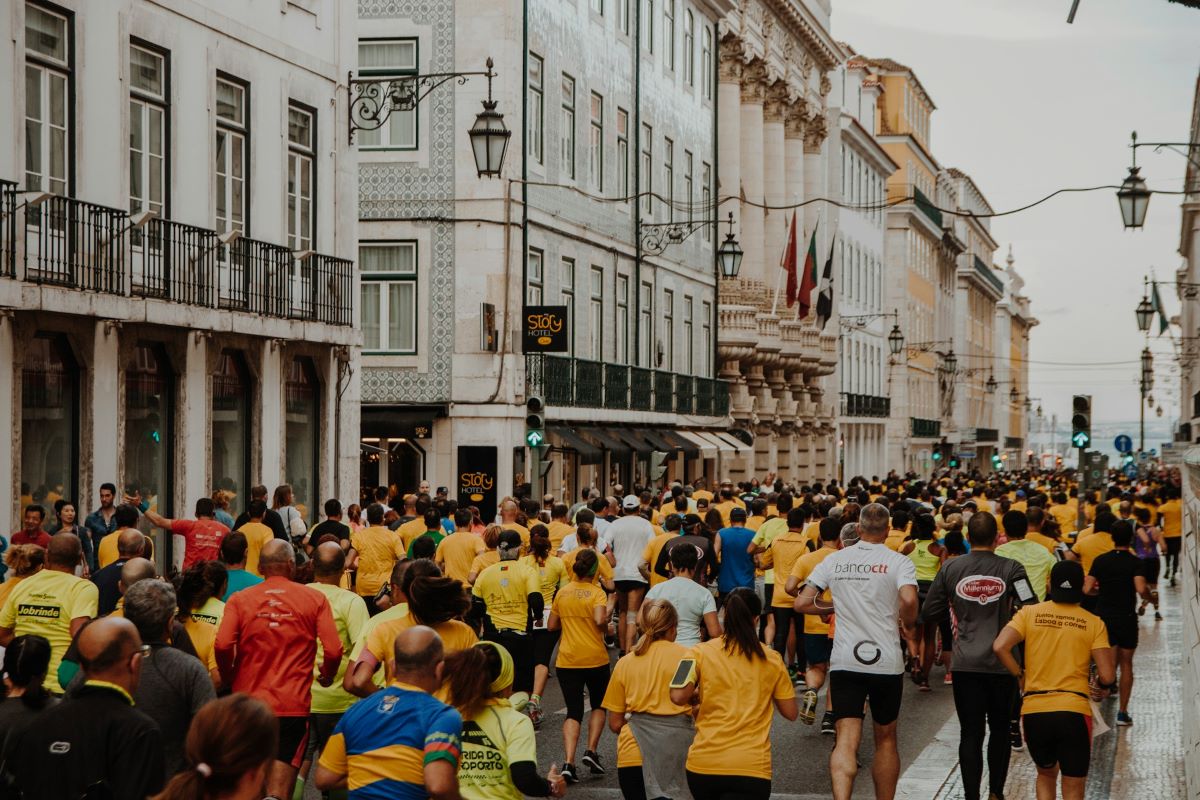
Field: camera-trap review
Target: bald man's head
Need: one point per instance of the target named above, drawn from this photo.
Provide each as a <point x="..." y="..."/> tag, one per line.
<point x="135" y="570"/>
<point x="64" y="551"/>
<point x="130" y="543"/>
<point x="418" y="651"/>
<point x="328" y="560"/>
<point x="277" y="558"/>
<point x="106" y="646"/>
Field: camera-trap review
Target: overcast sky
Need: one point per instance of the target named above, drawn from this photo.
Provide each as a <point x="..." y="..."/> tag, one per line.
<point x="1027" y="104"/>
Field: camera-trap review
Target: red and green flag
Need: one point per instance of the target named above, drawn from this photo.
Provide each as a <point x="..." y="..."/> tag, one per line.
<point x="809" y="278"/>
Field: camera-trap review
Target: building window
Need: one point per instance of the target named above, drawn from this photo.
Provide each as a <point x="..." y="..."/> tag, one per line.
<point x="231" y="403"/>
<point x="647" y="187"/>
<point x="301" y="177"/>
<point x="568" y="126"/>
<point x="647" y="24"/>
<point x="148" y="94"/>
<point x="596" y="313"/>
<point x="622" y="326"/>
<point x="48" y="114"/>
<point x="706" y="61"/>
<point x="389" y="58"/>
<point x="669" y="177"/>
<point x="49" y="422"/>
<point x="623" y="152"/>
<point x="537" y="109"/>
<point x="622" y="16"/>
<point x="706" y="322"/>
<point x="669" y="33"/>
<point x="668" y="344"/>
<point x="646" y="324"/>
<point x="688" y="188"/>
<point x="536" y="276"/>
<point x="689" y="47"/>
<point x="706" y="197"/>
<point x="149" y="427"/>
<point x="302" y="434"/>
<point x="567" y="287"/>
<point x="689" y="342"/>
<point x="596" y="144"/>
<point x="598" y="6"/>
<point x="389" y="296"/>
<point x="233" y="154"/>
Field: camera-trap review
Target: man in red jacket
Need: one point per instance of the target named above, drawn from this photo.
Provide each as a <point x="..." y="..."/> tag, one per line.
<point x="266" y="647"/>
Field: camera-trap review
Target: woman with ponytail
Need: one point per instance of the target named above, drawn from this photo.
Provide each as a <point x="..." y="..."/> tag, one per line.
<point x="552" y="576"/>
<point x="585" y="539"/>
<point x="653" y="732"/>
<point x="198" y="591"/>
<point x="230" y="747"/>
<point x="25" y="663"/>
<point x="738" y="684"/>
<point x="491" y="541"/>
<point x="493" y="732"/>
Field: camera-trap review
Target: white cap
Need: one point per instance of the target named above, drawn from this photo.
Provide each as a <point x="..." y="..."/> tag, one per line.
<point x="631" y="502"/>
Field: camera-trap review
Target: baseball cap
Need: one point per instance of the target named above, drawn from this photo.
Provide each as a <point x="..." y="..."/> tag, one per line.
<point x="630" y="502"/>
<point x="738" y="514"/>
<point x="1066" y="582"/>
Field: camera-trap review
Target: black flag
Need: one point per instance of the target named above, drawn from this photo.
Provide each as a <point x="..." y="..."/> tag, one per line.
<point x="825" y="298"/>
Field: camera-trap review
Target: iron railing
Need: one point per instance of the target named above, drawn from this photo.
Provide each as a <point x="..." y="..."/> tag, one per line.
<point x="77" y="245"/>
<point x="583" y="383"/>
<point x="256" y="277"/>
<point x="8" y="229"/>
<point x="326" y="285"/>
<point x="987" y="435"/>
<point x="926" y="428"/>
<point x="988" y="274"/>
<point x="1013" y="442"/>
<point x="173" y="261"/>
<point x="865" y="405"/>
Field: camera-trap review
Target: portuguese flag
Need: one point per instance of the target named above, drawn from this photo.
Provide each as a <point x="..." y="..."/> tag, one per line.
<point x="808" y="279"/>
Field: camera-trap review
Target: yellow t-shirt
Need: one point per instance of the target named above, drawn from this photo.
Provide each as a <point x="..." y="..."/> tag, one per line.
<point x="505" y="587"/>
<point x="782" y="557"/>
<point x="895" y="540"/>
<point x="1094" y="545"/>
<point x="493" y="740"/>
<point x="350" y="616"/>
<point x="1059" y="640"/>
<point x="390" y="615"/>
<point x="702" y="494"/>
<point x="256" y="535"/>
<point x="552" y="576"/>
<point x="725" y="507"/>
<point x="650" y="556"/>
<point x="1045" y="541"/>
<point x="44" y="604"/>
<point x="1065" y="516"/>
<point x="582" y="643"/>
<point x="737" y="694"/>
<point x="812" y="533"/>
<point x="378" y="551"/>
<point x="201" y="626"/>
<point x="642" y="684"/>
<point x="803" y="568"/>
<point x="764" y="536"/>
<point x="484" y="560"/>
<point x="411" y="530"/>
<point x="1171" y="519"/>
<point x="558" y="532"/>
<point x="381" y="641"/>
<point x="604" y="570"/>
<point x="519" y="528"/>
<point x="457" y="551"/>
<point x="106" y="552"/>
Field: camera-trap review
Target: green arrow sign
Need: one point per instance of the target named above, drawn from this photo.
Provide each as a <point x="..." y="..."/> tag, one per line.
<point x="534" y="438"/>
<point x="1081" y="439"/>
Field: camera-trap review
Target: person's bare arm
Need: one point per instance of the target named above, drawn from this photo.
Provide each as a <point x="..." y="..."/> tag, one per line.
<point x="788" y="709"/>
<point x="6" y="636"/>
<point x="553" y="623"/>
<point x="712" y="625"/>
<point x="157" y="520"/>
<point x="1092" y="586"/>
<point x="908" y="616"/>
<point x="806" y="603"/>
<point x="616" y="721"/>
<point x="359" y="678"/>
<point x="1106" y="664"/>
<point x="77" y="625"/>
<point x="792" y="586"/>
<point x="441" y="780"/>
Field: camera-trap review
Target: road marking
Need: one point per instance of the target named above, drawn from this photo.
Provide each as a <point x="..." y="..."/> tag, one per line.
<point x="926" y="776"/>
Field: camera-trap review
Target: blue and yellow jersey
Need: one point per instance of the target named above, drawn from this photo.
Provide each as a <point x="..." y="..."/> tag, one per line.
<point x="382" y="743"/>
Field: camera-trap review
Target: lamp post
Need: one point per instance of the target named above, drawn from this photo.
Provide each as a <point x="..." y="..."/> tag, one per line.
<point x="1134" y="196"/>
<point x="729" y="255"/>
<point x="1145" y="385"/>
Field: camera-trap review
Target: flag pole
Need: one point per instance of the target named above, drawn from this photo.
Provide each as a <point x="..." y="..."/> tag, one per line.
<point x="782" y="259"/>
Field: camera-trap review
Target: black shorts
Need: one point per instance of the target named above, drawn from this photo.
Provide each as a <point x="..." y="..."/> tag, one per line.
<point x="727" y="787"/>
<point x="573" y="681"/>
<point x="293" y="740"/>
<point x="1150" y="568"/>
<point x="320" y="728"/>
<point x="817" y="648"/>
<point x="1060" y="737"/>
<point x="1122" y="630"/>
<point x="848" y="691"/>
<point x="543" y="646"/>
<point x="1172" y="544"/>
<point x="629" y="586"/>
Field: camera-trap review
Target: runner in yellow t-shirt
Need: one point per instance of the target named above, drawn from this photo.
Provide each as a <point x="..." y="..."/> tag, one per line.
<point x="457" y="552"/>
<point x="1170" y="518"/>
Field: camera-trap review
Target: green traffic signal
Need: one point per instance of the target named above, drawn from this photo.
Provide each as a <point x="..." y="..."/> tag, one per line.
<point x="937" y="456"/>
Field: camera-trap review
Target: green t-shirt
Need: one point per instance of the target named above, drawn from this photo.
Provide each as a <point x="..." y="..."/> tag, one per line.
<point x="492" y="741"/>
<point x="44" y="604"/>
<point x="437" y="537"/>
<point x="350" y="616"/>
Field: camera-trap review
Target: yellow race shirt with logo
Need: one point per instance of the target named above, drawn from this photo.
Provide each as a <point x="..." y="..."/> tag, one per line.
<point x="582" y="643"/>
<point x="764" y="536"/>
<point x="201" y="626"/>
<point x="505" y="587"/>
<point x="642" y="684"/>
<point x="350" y="617"/>
<point x="378" y="551"/>
<point x="44" y="604"/>
<point x="552" y="575"/>
<point x="1059" y="640"/>
<point x="651" y="553"/>
<point x="493" y="740"/>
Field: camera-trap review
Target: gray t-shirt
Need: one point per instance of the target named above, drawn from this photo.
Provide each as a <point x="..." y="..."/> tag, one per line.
<point x="691" y="600"/>
<point x="171" y="689"/>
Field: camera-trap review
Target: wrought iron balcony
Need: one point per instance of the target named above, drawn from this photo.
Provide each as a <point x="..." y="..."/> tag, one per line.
<point x="927" y="207"/>
<point x="926" y="428"/>
<point x="173" y="261"/>
<point x="987" y="435"/>
<point x="1013" y="442"/>
<point x="583" y="383"/>
<point x="8" y="229"/>
<point x="988" y="274"/>
<point x="865" y="405"/>
<point x="77" y="245"/>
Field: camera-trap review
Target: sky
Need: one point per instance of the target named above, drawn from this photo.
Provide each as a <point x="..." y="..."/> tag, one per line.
<point x="1027" y="104"/>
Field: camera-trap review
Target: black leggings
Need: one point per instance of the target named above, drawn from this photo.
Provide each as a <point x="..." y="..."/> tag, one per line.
<point x="520" y="646"/>
<point x="787" y="618"/>
<point x="1172" y="559"/>
<point x="573" y="681"/>
<point x="984" y="702"/>
<point x="728" y="787"/>
<point x="633" y="785"/>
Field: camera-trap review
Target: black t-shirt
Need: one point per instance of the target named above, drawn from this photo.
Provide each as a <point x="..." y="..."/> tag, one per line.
<point x="341" y="530"/>
<point x="1115" y="571"/>
<point x="706" y="565"/>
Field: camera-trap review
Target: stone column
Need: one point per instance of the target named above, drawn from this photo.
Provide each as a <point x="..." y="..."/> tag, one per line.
<point x="729" y="105"/>
<point x="776" y="191"/>
<point x="107" y="377"/>
<point x="195" y="385"/>
<point x="814" y="176"/>
<point x="753" y="91"/>
<point x="9" y="499"/>
<point x="272" y="413"/>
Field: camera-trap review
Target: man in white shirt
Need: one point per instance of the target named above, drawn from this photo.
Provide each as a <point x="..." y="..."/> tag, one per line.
<point x="694" y="604"/>
<point x="872" y="587"/>
<point x="629" y="535"/>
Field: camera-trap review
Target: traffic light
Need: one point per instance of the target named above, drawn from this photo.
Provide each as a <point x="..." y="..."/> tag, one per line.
<point x="535" y="421"/>
<point x="953" y="463"/>
<point x="658" y="465"/>
<point x="937" y="455"/>
<point x="1081" y="420"/>
<point x="996" y="461"/>
<point x="1127" y="460"/>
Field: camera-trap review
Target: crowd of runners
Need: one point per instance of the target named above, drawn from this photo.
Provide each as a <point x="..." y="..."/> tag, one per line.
<point x="402" y="647"/>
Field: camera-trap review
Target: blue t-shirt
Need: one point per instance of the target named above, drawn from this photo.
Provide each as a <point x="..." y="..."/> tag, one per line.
<point x="239" y="579"/>
<point x="737" y="566"/>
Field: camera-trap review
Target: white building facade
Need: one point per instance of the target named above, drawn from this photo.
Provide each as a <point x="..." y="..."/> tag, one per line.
<point x="1188" y="278"/>
<point x="176" y="289"/>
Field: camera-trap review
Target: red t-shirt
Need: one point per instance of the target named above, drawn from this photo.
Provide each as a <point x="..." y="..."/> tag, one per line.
<point x="203" y="539"/>
<point x="267" y="643"/>
<point x="41" y="538"/>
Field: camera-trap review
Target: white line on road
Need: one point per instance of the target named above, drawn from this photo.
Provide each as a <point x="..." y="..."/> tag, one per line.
<point x="926" y="776"/>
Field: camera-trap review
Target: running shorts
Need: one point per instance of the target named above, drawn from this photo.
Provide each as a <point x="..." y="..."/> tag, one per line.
<point x="543" y="646"/>
<point x="1122" y="630"/>
<point x="1151" y="567"/>
<point x="1060" y="737"/>
<point x="817" y="648"/>
<point x="848" y="691"/>
<point x="573" y="681"/>
<point x="293" y="740"/>
<point x="320" y="728"/>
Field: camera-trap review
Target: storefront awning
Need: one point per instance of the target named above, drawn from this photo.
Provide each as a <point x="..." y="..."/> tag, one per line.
<point x="637" y="439"/>
<point x="741" y="447"/>
<point x="616" y="446"/>
<point x="399" y="422"/>
<point x="723" y="447"/>
<point x="588" y="452"/>
<point x="689" y="448"/>
<point x="706" y="448"/>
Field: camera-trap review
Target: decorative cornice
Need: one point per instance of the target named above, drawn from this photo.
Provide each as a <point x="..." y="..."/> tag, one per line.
<point x="816" y="40"/>
<point x="815" y="131"/>
<point x="731" y="60"/>
<point x="754" y="81"/>
<point x="778" y="101"/>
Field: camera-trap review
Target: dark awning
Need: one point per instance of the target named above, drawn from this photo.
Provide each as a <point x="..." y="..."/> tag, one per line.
<point x="688" y="447"/>
<point x="636" y="439"/>
<point x="396" y="422"/>
<point x="588" y="452"/>
<point x="660" y="443"/>
<point x="609" y="441"/>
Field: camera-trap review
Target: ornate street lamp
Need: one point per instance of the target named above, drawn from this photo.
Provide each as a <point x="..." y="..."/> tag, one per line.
<point x="489" y="136"/>
<point x="1147" y="360"/>
<point x="729" y="255"/>
<point x="991" y="384"/>
<point x="1144" y="313"/>
<point x="950" y="362"/>
<point x="1014" y="396"/>
<point x="895" y="340"/>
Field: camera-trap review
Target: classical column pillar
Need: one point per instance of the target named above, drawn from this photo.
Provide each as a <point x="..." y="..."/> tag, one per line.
<point x="814" y="175"/>
<point x="729" y="110"/>
<point x="753" y="91"/>
<point x="776" y="190"/>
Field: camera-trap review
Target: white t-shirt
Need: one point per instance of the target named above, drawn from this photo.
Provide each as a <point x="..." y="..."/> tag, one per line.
<point x="865" y="581"/>
<point x="691" y="600"/>
<point x="603" y="542"/>
<point x="629" y="537"/>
